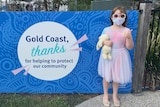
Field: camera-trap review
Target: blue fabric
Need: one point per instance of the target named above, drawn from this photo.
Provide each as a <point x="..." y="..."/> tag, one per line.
<point x="84" y="78"/>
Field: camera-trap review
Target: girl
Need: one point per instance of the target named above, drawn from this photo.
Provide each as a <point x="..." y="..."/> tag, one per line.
<point x="118" y="70"/>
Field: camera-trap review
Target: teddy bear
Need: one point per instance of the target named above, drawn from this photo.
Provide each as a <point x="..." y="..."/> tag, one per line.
<point x="106" y="50"/>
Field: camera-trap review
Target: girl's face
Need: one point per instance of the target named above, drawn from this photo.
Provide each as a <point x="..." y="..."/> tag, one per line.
<point x="118" y="17"/>
<point x="118" y="14"/>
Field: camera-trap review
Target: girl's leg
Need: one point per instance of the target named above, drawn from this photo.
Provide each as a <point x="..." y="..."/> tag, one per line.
<point x="115" y="94"/>
<point x="105" y="90"/>
<point x="115" y="91"/>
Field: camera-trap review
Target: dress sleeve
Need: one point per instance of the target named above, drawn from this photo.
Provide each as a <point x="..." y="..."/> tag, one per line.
<point x="104" y="30"/>
<point x="127" y="28"/>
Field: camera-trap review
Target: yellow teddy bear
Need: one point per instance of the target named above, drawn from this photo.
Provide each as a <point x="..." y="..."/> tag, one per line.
<point x="106" y="50"/>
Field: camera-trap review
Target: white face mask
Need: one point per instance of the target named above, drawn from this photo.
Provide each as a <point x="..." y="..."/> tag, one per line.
<point x="118" y="21"/>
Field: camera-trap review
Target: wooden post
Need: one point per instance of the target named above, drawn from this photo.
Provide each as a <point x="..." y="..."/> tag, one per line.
<point x="141" y="45"/>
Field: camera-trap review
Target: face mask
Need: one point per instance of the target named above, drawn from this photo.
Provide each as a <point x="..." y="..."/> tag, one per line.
<point x="118" y="21"/>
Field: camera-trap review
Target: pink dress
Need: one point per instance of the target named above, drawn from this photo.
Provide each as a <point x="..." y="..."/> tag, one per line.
<point x="119" y="69"/>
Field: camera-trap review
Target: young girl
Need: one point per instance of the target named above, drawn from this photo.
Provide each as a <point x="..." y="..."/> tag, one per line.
<point x="118" y="70"/>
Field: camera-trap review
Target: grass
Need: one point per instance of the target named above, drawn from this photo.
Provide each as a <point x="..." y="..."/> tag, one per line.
<point x="43" y="100"/>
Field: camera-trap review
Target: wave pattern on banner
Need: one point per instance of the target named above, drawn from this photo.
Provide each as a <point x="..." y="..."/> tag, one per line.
<point x="84" y="77"/>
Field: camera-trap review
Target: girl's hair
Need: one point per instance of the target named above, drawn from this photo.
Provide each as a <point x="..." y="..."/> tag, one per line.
<point x="122" y="10"/>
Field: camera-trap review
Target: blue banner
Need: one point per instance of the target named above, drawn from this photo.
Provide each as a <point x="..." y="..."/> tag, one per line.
<point x="54" y="52"/>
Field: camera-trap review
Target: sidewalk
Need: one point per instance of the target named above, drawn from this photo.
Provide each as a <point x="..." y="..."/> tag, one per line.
<point x="147" y="99"/>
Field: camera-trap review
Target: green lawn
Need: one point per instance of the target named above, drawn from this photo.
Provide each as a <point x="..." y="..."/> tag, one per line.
<point x="43" y="100"/>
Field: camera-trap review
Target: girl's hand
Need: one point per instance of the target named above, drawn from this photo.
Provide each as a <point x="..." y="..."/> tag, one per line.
<point x="128" y="34"/>
<point x="108" y="43"/>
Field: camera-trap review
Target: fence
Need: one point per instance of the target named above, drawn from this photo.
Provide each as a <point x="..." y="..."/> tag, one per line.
<point x="151" y="79"/>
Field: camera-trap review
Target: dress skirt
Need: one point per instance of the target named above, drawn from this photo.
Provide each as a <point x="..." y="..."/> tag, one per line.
<point x="118" y="69"/>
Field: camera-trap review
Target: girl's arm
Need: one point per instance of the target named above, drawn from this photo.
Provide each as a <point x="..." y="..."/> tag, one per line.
<point x="108" y="43"/>
<point x="129" y="43"/>
<point x="129" y="40"/>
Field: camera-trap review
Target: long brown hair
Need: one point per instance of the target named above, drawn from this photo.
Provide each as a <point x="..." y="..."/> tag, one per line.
<point x="122" y="10"/>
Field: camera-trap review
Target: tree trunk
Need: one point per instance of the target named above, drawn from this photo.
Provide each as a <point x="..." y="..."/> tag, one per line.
<point x="45" y="5"/>
<point x="59" y="3"/>
<point x="141" y="45"/>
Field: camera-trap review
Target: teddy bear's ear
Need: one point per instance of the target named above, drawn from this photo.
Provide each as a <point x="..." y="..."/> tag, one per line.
<point x="102" y="36"/>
